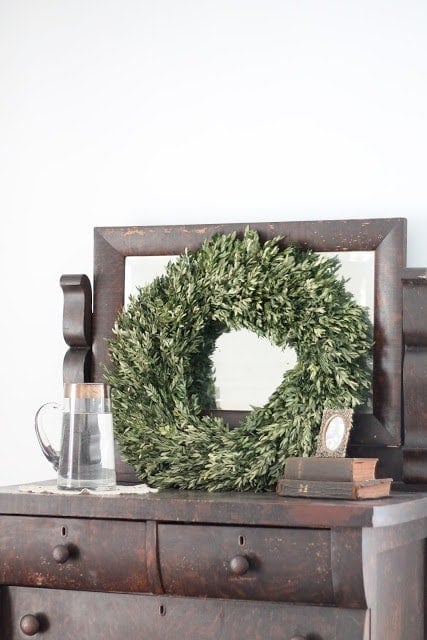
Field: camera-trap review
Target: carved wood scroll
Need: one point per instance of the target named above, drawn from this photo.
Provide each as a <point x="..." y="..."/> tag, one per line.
<point x="77" y="327"/>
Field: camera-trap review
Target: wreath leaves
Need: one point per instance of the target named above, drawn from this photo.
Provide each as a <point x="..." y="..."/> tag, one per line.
<point x="162" y="372"/>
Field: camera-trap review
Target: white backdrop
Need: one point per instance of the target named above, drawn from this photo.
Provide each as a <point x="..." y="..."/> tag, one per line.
<point x="124" y="112"/>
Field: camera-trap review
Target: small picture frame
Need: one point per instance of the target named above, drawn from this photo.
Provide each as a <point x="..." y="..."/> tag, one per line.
<point x="334" y="433"/>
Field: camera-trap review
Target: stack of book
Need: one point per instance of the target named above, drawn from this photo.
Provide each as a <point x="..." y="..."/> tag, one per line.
<point x="344" y="478"/>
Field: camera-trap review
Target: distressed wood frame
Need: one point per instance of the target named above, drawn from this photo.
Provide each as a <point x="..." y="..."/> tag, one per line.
<point x="375" y="433"/>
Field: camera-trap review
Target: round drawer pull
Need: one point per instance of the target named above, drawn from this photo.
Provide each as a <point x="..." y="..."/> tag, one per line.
<point x="61" y="553"/>
<point x="29" y="624"/>
<point x="239" y="565"/>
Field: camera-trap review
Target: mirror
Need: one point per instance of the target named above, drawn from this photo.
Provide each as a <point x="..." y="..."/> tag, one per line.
<point x="377" y="427"/>
<point x="248" y="368"/>
<point x="334" y="433"/>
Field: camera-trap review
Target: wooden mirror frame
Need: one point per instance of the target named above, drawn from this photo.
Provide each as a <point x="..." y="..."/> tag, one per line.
<point x="377" y="433"/>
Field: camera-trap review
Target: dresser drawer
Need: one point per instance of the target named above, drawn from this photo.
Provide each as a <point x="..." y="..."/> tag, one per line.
<point x="67" y="615"/>
<point x="257" y="563"/>
<point x="73" y="553"/>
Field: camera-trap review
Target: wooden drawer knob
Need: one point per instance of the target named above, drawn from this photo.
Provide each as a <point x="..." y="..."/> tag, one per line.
<point x="239" y="565"/>
<point x="29" y="624"/>
<point x="61" y="553"/>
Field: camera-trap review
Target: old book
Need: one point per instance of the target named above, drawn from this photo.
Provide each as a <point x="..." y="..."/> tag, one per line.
<point x="360" y="490"/>
<point x="341" y="469"/>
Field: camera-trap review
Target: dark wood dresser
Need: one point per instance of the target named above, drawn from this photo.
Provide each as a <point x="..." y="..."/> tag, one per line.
<point x="234" y="566"/>
<point x="200" y="566"/>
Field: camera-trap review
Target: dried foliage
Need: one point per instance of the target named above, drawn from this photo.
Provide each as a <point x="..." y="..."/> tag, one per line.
<point x="163" y="376"/>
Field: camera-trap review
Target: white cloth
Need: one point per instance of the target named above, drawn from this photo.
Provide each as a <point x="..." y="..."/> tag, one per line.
<point x="137" y="489"/>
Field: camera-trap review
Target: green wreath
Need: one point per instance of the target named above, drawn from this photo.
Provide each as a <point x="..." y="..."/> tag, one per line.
<point x="162" y="372"/>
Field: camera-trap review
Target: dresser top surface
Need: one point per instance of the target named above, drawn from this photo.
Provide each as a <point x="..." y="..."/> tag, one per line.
<point x="262" y="509"/>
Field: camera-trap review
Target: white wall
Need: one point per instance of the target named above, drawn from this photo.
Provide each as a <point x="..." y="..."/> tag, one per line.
<point x="123" y="112"/>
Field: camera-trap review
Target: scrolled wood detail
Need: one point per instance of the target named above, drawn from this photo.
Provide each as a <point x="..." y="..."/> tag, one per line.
<point x="77" y="365"/>
<point x="77" y="327"/>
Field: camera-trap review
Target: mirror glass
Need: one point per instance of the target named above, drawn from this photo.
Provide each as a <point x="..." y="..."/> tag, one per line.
<point x="248" y="368"/>
<point x="334" y="433"/>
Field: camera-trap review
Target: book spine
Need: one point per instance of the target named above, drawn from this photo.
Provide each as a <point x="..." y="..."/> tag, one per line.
<point x="336" y="469"/>
<point x="316" y="489"/>
<point x="318" y="469"/>
<point x="326" y="489"/>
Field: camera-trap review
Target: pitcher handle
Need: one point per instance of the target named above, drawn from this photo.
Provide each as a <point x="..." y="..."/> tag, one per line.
<point x="51" y="454"/>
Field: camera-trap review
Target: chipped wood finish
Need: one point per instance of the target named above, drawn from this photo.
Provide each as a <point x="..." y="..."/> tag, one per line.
<point x="211" y="565"/>
<point x="69" y="615"/>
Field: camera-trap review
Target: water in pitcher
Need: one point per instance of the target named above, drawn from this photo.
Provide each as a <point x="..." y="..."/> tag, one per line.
<point x="87" y="452"/>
